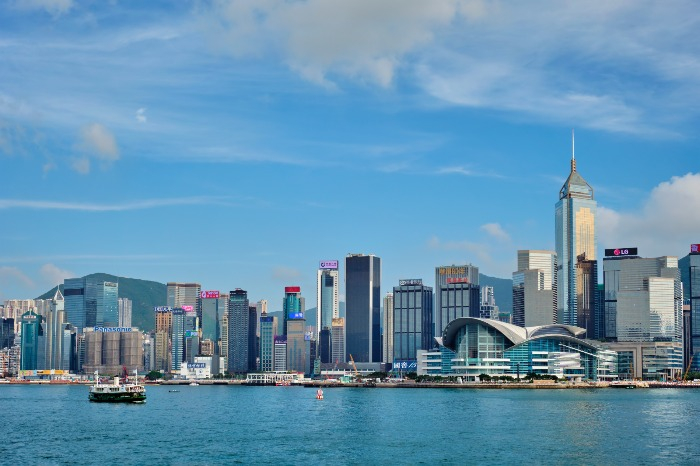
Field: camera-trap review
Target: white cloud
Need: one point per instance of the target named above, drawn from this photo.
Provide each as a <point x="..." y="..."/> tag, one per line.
<point x="81" y="165"/>
<point x="54" y="275"/>
<point x="479" y="250"/>
<point x="666" y="224"/>
<point x="364" y="39"/>
<point x="495" y="230"/>
<point x="97" y="141"/>
<point x="53" y="7"/>
<point x="285" y="274"/>
<point x="141" y="115"/>
<point x="593" y="69"/>
<point x="13" y="274"/>
<point x="90" y="207"/>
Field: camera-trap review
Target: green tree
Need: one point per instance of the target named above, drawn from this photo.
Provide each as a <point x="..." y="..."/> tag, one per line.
<point x="154" y="375"/>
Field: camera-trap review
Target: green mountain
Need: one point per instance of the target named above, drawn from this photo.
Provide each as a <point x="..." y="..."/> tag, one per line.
<point x="144" y="296"/>
<point x="502" y="290"/>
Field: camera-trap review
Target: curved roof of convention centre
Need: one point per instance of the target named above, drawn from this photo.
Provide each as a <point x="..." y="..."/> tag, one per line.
<point x="516" y="335"/>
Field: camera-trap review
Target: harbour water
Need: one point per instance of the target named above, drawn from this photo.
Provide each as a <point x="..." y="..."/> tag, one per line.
<point x="287" y="425"/>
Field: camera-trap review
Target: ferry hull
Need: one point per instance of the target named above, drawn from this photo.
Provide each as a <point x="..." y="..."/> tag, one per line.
<point x="118" y="397"/>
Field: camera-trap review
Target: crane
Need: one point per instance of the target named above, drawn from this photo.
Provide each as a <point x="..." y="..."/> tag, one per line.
<point x="354" y="367"/>
<point x="685" y="376"/>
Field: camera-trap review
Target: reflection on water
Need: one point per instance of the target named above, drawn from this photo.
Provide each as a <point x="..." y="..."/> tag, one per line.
<point x="208" y="424"/>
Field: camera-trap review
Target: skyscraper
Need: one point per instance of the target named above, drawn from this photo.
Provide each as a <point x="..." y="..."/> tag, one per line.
<point x="124" y="305"/>
<point x="488" y="310"/>
<point x="90" y="302"/>
<point x="292" y="305"/>
<point x="690" y="273"/>
<point x="362" y="307"/>
<point x="238" y="327"/>
<point x="575" y="241"/>
<point x="253" y="344"/>
<point x="327" y="304"/>
<point x="338" y="350"/>
<point x="187" y="296"/>
<point x="388" y="340"/>
<point x="177" y="339"/>
<point x="643" y="299"/>
<point x="268" y="332"/>
<point x="413" y="319"/>
<point x="457" y="294"/>
<point x="32" y="342"/>
<point x="534" y="288"/>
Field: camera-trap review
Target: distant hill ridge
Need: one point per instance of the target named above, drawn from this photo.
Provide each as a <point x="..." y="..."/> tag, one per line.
<point x="146" y="294"/>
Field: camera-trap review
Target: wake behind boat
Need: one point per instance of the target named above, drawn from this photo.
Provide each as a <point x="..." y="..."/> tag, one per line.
<point x="117" y="392"/>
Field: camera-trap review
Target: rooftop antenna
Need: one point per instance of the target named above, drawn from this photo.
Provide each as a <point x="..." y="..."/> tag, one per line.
<point x="573" y="154"/>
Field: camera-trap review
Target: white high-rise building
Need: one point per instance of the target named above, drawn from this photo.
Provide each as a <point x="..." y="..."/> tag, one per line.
<point x="388" y="341"/>
<point x="124" y="312"/>
<point x="643" y="299"/>
<point x="534" y="288"/>
<point x="327" y="303"/>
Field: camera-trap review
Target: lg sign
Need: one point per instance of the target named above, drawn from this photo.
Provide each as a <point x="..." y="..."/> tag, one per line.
<point x="621" y="252"/>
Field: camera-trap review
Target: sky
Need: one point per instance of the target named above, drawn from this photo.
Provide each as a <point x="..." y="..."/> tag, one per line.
<point x="238" y="143"/>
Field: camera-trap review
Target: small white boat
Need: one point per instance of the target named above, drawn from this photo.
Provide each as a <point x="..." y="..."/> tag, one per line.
<point x="194" y="384"/>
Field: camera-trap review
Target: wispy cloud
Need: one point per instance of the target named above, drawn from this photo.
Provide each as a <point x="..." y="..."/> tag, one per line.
<point x="141" y="115"/>
<point x="53" y="274"/>
<point x="90" y="207"/>
<point x="496" y="231"/>
<point x="285" y="274"/>
<point x="14" y="274"/>
<point x="75" y="258"/>
<point x="53" y="7"/>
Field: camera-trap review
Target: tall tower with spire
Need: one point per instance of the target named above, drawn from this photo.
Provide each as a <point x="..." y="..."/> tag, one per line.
<point x="575" y="244"/>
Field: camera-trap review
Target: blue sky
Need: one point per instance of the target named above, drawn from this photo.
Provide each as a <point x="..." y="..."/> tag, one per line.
<point x="236" y="144"/>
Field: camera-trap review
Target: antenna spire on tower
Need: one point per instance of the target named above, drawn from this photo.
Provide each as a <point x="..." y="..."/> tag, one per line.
<point x="573" y="154"/>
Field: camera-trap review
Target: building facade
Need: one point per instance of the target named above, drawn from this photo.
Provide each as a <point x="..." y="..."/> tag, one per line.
<point x="238" y="327"/>
<point x="362" y="307"/>
<point x="643" y="299"/>
<point x="268" y="333"/>
<point x="413" y="319"/>
<point x="690" y="275"/>
<point x="327" y="288"/>
<point x="186" y="296"/>
<point x="457" y="294"/>
<point x="32" y="342"/>
<point x="125" y="306"/>
<point x="388" y="335"/>
<point x="89" y="302"/>
<point x="338" y="350"/>
<point x="575" y="240"/>
<point x="452" y="283"/>
<point x="487" y="346"/>
<point x="535" y="288"/>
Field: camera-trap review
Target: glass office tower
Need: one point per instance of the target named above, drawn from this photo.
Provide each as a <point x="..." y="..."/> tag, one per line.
<point x="575" y="242"/>
<point x="362" y="303"/>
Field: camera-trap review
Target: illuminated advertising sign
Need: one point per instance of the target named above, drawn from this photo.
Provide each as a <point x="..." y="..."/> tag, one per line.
<point x="456" y="280"/>
<point x="112" y="329"/>
<point x="412" y="281"/>
<point x="328" y="265"/>
<point x="452" y="270"/>
<point x="408" y="365"/>
<point x="196" y="365"/>
<point x="164" y="309"/>
<point x="621" y="252"/>
<point x="188" y="308"/>
<point x="292" y="289"/>
<point x="266" y="319"/>
<point x="191" y="333"/>
<point x="695" y="248"/>
<point x="307" y="336"/>
<point x="296" y="316"/>
<point x="209" y="295"/>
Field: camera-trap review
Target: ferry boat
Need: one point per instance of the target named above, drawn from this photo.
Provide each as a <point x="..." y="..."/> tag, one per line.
<point x="117" y="392"/>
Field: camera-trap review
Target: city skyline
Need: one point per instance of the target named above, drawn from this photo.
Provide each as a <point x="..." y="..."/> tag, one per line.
<point x="134" y="140"/>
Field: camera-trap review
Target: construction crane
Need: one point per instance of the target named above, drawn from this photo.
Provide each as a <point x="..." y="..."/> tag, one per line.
<point x="354" y="367"/>
<point x="687" y="369"/>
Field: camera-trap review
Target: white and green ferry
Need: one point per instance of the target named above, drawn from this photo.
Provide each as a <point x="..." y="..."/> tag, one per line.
<point x="117" y="392"/>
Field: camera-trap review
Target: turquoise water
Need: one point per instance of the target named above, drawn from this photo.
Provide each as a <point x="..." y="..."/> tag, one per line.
<point x="287" y="425"/>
